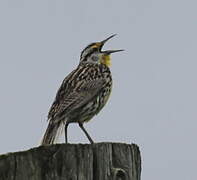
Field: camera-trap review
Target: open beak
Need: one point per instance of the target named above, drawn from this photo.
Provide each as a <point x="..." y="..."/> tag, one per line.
<point x="105" y="40"/>
<point x="112" y="51"/>
<point x="109" y="51"/>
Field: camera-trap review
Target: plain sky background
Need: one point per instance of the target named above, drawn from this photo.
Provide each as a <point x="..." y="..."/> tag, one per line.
<point x="154" y="98"/>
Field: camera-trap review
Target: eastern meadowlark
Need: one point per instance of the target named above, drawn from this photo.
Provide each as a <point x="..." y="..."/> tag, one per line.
<point x="83" y="93"/>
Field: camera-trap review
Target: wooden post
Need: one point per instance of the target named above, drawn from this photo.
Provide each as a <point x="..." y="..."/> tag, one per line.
<point x="101" y="161"/>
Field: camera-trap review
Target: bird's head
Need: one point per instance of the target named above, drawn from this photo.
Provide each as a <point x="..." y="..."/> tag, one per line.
<point x="93" y="53"/>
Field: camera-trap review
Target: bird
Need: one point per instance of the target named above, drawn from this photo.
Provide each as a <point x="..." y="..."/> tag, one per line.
<point x="82" y="94"/>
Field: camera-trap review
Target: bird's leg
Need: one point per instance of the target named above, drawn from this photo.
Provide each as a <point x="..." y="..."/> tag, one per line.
<point x="86" y="133"/>
<point x="66" y="137"/>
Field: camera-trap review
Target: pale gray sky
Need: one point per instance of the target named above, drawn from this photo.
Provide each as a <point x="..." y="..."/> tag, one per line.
<point x="154" y="99"/>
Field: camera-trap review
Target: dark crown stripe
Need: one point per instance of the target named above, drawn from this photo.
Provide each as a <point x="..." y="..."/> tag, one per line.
<point x="87" y="48"/>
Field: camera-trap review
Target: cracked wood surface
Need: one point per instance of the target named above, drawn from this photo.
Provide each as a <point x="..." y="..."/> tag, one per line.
<point x="101" y="161"/>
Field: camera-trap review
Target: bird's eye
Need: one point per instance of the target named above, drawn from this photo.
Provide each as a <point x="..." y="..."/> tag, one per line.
<point x="95" y="58"/>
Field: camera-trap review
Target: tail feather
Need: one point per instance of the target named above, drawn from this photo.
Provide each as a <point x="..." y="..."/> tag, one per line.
<point x="52" y="133"/>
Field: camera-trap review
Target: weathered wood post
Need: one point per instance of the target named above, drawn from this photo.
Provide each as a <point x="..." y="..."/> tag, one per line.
<point x="101" y="161"/>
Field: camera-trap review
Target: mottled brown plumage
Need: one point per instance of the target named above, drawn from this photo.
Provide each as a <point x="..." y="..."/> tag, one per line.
<point x="83" y="93"/>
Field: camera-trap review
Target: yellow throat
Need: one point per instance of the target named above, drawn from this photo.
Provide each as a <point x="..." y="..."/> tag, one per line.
<point x="105" y="59"/>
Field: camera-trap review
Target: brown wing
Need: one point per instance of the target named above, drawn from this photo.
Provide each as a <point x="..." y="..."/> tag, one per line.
<point x="81" y="96"/>
<point x="77" y="89"/>
<point x="61" y="93"/>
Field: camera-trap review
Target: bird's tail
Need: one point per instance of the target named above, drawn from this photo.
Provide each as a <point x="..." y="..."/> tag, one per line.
<point x="52" y="133"/>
